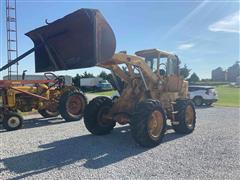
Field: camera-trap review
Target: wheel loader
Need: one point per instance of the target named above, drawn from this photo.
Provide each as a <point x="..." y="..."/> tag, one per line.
<point x="153" y="93"/>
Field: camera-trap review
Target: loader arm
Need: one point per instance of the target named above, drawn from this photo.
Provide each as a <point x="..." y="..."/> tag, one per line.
<point x="135" y="84"/>
<point x="130" y="61"/>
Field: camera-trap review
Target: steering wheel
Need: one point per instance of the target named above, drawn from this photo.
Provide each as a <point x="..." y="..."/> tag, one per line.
<point x="48" y="76"/>
<point x="58" y="80"/>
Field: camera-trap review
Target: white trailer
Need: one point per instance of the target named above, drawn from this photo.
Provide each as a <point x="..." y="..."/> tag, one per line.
<point x="89" y="82"/>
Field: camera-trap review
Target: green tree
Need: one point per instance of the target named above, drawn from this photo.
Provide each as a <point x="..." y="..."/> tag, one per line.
<point x="87" y="75"/>
<point x="76" y="81"/>
<point x="103" y="75"/>
<point x="194" y="78"/>
<point x="184" y="71"/>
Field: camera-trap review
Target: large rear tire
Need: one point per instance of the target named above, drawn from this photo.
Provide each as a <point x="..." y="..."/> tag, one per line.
<point x="148" y="123"/>
<point x="47" y="114"/>
<point x="12" y="121"/>
<point x="72" y="105"/>
<point x="186" y="117"/>
<point x="95" y="118"/>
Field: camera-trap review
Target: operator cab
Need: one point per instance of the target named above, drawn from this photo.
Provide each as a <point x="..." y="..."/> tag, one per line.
<point x="160" y="62"/>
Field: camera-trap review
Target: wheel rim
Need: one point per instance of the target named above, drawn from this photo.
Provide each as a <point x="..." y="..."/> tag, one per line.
<point x="74" y="105"/>
<point x="189" y="114"/>
<point x="102" y="117"/>
<point x="13" y="122"/>
<point x="155" y="124"/>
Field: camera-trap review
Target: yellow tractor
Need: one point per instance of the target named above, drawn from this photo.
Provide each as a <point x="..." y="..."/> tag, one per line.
<point x="153" y="89"/>
<point x="153" y="92"/>
<point x="50" y="97"/>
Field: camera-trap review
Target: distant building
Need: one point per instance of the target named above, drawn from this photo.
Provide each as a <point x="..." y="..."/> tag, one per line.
<point x="68" y="79"/>
<point x="219" y="74"/>
<point x="233" y="72"/>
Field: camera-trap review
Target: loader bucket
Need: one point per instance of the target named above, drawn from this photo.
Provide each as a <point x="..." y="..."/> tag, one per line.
<point x="79" y="40"/>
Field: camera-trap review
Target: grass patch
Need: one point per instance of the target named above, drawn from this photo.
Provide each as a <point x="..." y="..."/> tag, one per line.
<point x="228" y="96"/>
<point x="103" y="93"/>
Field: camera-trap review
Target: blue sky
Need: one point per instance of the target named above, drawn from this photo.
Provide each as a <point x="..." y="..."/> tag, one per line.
<point x="204" y="34"/>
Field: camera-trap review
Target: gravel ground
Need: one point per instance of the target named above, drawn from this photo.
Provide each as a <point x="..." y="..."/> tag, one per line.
<point x="53" y="149"/>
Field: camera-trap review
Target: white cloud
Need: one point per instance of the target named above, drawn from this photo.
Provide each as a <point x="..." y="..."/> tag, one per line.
<point x="185" y="46"/>
<point x="227" y="24"/>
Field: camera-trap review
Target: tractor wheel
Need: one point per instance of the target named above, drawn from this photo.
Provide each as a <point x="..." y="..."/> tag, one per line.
<point x="72" y="105"/>
<point x="12" y="121"/>
<point x="95" y="118"/>
<point x="148" y="123"/>
<point x="198" y="101"/>
<point x="47" y="114"/>
<point x="186" y="117"/>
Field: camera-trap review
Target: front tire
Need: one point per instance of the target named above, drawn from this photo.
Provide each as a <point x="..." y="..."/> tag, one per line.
<point x="95" y="118"/>
<point x="12" y="121"/>
<point x="186" y="117"/>
<point x="148" y="123"/>
<point x="72" y="105"/>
